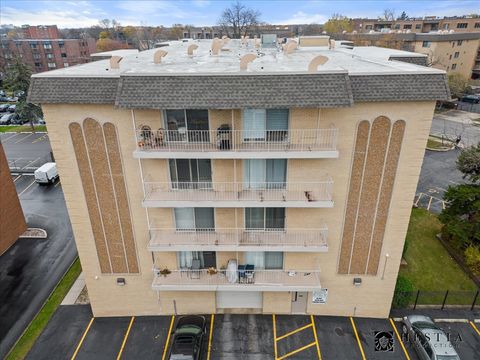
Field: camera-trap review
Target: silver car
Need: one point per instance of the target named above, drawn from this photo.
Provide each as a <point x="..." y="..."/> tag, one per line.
<point x="430" y="342"/>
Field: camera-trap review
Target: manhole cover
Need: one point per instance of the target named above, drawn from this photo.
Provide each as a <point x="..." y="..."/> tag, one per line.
<point x="339" y="331"/>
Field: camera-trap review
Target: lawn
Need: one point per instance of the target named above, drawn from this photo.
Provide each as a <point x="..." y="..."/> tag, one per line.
<point x="430" y="267"/>
<point x="22" y="128"/>
<point x="25" y="343"/>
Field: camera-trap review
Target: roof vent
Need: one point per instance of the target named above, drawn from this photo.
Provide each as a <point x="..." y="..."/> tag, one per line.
<point x="191" y="48"/>
<point x="216" y="46"/>
<point x="245" y="60"/>
<point x="157" y="56"/>
<point x="331" y="44"/>
<point x="115" y="62"/>
<point x="316" y="62"/>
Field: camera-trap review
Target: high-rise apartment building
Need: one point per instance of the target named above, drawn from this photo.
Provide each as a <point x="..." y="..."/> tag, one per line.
<point x="240" y="176"/>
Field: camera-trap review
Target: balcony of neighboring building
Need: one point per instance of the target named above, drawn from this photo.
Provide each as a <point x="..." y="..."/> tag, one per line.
<point x="245" y="279"/>
<point x="256" y="133"/>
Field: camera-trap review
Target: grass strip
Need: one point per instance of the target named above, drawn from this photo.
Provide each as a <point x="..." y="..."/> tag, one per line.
<point x="33" y="331"/>
<point x="22" y="128"/>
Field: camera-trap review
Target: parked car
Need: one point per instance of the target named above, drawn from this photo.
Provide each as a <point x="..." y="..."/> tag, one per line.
<point x="13" y="99"/>
<point x="17" y="120"/>
<point x="473" y="99"/>
<point x="187" y="338"/>
<point x="4" y="98"/>
<point x="429" y="341"/>
<point x="2" y="93"/>
<point x="46" y="174"/>
<point x="4" y="107"/>
<point x="8" y="119"/>
<point x="12" y="108"/>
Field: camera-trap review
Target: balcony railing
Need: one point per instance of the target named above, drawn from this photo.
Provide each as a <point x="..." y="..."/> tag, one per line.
<point x="239" y="239"/>
<point x="255" y="280"/>
<point x="237" y="140"/>
<point x="308" y="193"/>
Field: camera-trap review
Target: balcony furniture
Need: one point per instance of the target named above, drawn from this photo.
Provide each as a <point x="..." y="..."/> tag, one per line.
<point x="250" y="274"/>
<point x="241" y="274"/>
<point x="231" y="272"/>
<point x="224" y="137"/>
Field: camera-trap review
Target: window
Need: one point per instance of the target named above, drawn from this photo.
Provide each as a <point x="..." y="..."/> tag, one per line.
<point x="407" y="26"/>
<point x="268" y="260"/>
<point x="33" y="45"/>
<point x="459" y="42"/>
<point x="265" y="124"/>
<point x="64" y="55"/>
<point x="450" y="56"/>
<point x="266" y="219"/>
<point x="52" y="65"/>
<point x="446" y="26"/>
<point x="36" y="56"/>
<point x="477" y="25"/>
<point x="198" y="219"/>
<point x="368" y="27"/>
<point x="47" y="45"/>
<point x="37" y="64"/>
<point x="454" y="66"/>
<point x="457" y="54"/>
<point x="426" y="44"/>
<point x="462" y="25"/>
<point x="397" y="26"/>
<point x="265" y="173"/>
<point x="61" y="44"/>
<point x="187" y="125"/>
<point x="65" y="64"/>
<point x="190" y="173"/>
<point x="418" y="26"/>
<point x="49" y="56"/>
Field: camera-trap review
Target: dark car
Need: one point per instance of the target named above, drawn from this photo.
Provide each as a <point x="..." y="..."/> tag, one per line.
<point x="12" y="108"/>
<point x="17" y="120"/>
<point x="4" y="107"/>
<point x="473" y="99"/>
<point x="188" y="338"/>
<point x="8" y="119"/>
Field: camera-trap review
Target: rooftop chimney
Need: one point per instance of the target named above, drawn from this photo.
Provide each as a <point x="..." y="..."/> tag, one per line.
<point x="245" y="60"/>
<point x="157" y="56"/>
<point x="115" y="62"/>
<point x="316" y="62"/>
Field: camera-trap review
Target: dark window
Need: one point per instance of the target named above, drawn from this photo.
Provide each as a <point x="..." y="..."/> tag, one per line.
<point x="33" y="45"/>
<point x="397" y="26"/>
<point x="64" y="55"/>
<point x="459" y="42"/>
<point x="477" y="25"/>
<point x="457" y="54"/>
<point x="462" y="25"/>
<point x="61" y="44"/>
<point x="454" y="66"/>
<point x="426" y="44"/>
<point x="418" y="26"/>
<point x="38" y="64"/>
<point x="407" y="26"/>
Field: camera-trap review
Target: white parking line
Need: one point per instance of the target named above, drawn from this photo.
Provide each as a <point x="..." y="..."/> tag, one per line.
<point x="30" y="163"/>
<point x="28" y="187"/>
<point x="16" y="142"/>
<point x="58" y="183"/>
<point x="18" y="177"/>
<point x="10" y="137"/>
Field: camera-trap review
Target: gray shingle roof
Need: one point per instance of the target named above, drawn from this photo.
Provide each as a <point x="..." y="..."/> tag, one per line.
<point x="417" y="60"/>
<point x="235" y="91"/>
<point x="405" y="87"/>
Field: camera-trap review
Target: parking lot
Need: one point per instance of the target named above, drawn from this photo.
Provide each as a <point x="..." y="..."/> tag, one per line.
<point x="74" y="334"/>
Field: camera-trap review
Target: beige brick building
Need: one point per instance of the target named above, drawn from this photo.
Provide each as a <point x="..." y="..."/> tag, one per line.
<point x="235" y="176"/>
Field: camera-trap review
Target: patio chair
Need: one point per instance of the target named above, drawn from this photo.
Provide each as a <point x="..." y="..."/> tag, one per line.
<point x="195" y="269"/>
<point x="241" y="274"/>
<point x="250" y="274"/>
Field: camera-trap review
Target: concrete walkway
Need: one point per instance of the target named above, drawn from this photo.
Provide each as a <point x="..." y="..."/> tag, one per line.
<point x="75" y="291"/>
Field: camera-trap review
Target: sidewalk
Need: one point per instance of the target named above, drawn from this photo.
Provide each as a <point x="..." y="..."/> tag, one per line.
<point x="449" y="314"/>
<point x="75" y="291"/>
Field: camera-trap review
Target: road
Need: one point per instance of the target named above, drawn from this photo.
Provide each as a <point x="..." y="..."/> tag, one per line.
<point x="31" y="268"/>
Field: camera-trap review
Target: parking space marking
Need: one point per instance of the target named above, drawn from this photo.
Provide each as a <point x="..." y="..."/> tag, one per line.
<point x="58" y="183"/>
<point x="30" y="163"/>
<point x="358" y="339"/>
<point x="419" y="197"/>
<point x="28" y="187"/>
<point x="18" y="177"/>
<point x="165" y="348"/>
<point x="275" y="336"/>
<point x="316" y="338"/>
<point x="10" y="137"/>
<point x="125" y="338"/>
<point x="293" y="332"/>
<point x="399" y="339"/>
<point x="25" y="137"/>
<point x="296" y="351"/>
<point x="475" y="328"/>
<point x="41" y="138"/>
<point x="210" y="336"/>
<point x="82" y="339"/>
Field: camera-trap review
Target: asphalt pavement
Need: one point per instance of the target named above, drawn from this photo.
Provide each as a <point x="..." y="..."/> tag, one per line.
<point x="31" y="268"/>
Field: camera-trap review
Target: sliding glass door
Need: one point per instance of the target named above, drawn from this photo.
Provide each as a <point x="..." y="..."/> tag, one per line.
<point x="187" y="125"/>
<point x="265" y="124"/>
<point x="265" y="174"/>
<point x="268" y="260"/>
<point x="194" y="219"/>
<point x="264" y="219"/>
<point x="190" y="173"/>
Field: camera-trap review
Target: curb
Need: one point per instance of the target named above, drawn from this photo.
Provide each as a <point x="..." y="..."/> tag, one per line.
<point x="464" y="321"/>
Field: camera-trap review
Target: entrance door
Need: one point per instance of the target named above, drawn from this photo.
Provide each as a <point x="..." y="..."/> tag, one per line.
<point x="299" y="302"/>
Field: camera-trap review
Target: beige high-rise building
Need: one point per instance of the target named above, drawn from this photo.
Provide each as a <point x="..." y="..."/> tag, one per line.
<point x="237" y="176"/>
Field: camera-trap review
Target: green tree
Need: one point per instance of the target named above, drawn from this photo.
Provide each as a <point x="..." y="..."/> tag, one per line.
<point x="457" y="84"/>
<point x="338" y="24"/>
<point x="17" y="79"/>
<point x="469" y="163"/>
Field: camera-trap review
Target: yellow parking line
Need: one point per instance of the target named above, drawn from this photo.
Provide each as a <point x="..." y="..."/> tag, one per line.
<point x="316" y="338"/>
<point x="296" y="351"/>
<point x="475" y="328"/>
<point x="275" y="336"/>
<point x="83" y="338"/>
<point x="293" y="332"/>
<point x="210" y="337"/>
<point x="358" y="339"/>
<point x="41" y="138"/>
<point x="168" y="337"/>
<point x="125" y="338"/>
<point x="399" y="339"/>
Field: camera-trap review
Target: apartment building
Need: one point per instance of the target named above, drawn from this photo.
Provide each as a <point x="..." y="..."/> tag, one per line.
<point x="231" y="176"/>
<point x="47" y="51"/>
<point x="452" y="52"/>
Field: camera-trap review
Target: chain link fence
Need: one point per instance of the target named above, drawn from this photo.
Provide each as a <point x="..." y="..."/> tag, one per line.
<point x="436" y="299"/>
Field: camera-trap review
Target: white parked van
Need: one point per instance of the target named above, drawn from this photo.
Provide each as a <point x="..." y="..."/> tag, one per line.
<point x="46" y="174"/>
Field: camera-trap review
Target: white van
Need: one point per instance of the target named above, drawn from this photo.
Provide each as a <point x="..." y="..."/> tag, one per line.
<point x="47" y="173"/>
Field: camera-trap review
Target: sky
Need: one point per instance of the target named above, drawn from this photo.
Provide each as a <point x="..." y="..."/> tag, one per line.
<point x="85" y="13"/>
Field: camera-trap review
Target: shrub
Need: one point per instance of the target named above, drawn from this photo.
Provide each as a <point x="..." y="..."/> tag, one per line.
<point x="403" y="292"/>
<point x="472" y="258"/>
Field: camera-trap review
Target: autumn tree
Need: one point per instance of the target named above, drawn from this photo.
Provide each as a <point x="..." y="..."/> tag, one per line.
<point x="338" y="24"/>
<point x="238" y="20"/>
<point x="457" y="84"/>
<point x="110" y="44"/>
<point x="468" y="163"/>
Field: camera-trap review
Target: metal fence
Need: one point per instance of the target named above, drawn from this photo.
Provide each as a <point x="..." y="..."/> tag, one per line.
<point x="436" y="299"/>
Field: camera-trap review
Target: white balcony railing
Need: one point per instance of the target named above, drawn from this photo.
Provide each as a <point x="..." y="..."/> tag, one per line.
<point x="237" y="140"/>
<point x="207" y="191"/>
<point x="238" y="239"/>
<point x="255" y="280"/>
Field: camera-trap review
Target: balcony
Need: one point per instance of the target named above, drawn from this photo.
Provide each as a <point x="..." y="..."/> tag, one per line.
<point x="257" y="280"/>
<point x="235" y="194"/>
<point x="236" y="144"/>
<point x="292" y="240"/>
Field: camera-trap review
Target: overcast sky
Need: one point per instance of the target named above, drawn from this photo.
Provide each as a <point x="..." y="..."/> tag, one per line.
<point x="206" y="12"/>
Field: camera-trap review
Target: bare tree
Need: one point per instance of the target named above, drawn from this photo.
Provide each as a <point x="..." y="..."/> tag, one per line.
<point x="238" y="20"/>
<point x="388" y="14"/>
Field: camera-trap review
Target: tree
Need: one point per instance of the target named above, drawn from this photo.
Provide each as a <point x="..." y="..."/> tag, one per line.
<point x="176" y="32"/>
<point x="403" y="16"/>
<point x="388" y="14"/>
<point x="239" y="20"/>
<point x="457" y="84"/>
<point x="468" y="163"/>
<point x="17" y="79"/>
<point x="109" y="45"/>
<point x="338" y="24"/>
